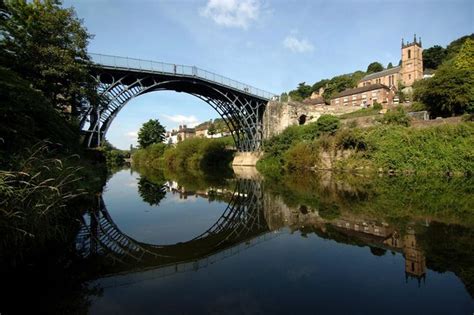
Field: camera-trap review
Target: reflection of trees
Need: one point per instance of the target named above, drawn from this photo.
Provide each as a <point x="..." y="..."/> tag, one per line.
<point x="152" y="193"/>
<point x="450" y="248"/>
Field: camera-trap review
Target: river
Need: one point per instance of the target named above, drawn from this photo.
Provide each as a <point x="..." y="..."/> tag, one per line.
<point x="248" y="246"/>
<point x="326" y="243"/>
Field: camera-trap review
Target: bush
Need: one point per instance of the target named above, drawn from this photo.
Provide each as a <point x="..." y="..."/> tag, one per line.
<point x="328" y="123"/>
<point x="198" y="153"/>
<point x="350" y="140"/>
<point x="396" y="116"/>
<point x="417" y="107"/>
<point x="377" y="106"/>
<point x="300" y="156"/>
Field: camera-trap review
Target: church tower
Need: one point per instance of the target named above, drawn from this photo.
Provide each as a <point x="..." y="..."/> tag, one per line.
<point x="412" y="62"/>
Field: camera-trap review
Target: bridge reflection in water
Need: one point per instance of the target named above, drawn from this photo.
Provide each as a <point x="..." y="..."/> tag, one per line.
<point x="250" y="218"/>
<point x="241" y="225"/>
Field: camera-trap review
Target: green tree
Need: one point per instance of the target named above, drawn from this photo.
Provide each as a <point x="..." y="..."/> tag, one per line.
<point x="47" y="45"/>
<point x="151" y="132"/>
<point x="211" y="130"/>
<point x="455" y="46"/>
<point x="451" y="91"/>
<point x="284" y="97"/>
<point x="302" y="91"/>
<point x="433" y="57"/>
<point x="374" y="67"/>
<point x="390" y="65"/>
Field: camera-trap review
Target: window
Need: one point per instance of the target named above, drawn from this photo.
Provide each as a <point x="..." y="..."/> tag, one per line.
<point x="409" y="77"/>
<point x="346" y="99"/>
<point x="409" y="53"/>
<point x="374" y="93"/>
<point x="364" y="95"/>
<point x="354" y="97"/>
<point x="337" y="101"/>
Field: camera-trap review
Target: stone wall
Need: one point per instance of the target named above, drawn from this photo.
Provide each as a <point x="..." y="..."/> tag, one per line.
<point x="278" y="115"/>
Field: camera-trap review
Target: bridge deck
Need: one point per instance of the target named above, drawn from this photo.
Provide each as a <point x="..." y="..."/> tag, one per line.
<point x="139" y="65"/>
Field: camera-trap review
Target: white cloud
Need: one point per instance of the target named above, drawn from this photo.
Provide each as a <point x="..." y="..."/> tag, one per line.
<point x="132" y="135"/>
<point x="232" y="13"/>
<point x="190" y="121"/>
<point x="298" y="45"/>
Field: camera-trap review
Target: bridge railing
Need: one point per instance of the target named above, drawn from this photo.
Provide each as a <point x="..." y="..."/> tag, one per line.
<point x="175" y="69"/>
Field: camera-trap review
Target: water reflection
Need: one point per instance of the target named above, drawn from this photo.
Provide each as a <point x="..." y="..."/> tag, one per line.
<point x="241" y="222"/>
<point x="252" y="212"/>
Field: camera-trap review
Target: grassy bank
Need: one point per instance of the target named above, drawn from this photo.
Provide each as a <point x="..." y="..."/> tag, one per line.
<point x="388" y="146"/>
<point x="46" y="178"/>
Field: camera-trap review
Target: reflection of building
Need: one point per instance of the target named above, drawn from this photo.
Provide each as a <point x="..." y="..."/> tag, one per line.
<point x="415" y="260"/>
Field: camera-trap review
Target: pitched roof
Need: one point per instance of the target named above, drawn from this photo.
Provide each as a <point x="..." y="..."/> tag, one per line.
<point x="381" y="73"/>
<point x="361" y="89"/>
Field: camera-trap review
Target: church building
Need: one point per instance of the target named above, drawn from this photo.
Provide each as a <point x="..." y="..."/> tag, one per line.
<point x="410" y="70"/>
<point x="381" y="86"/>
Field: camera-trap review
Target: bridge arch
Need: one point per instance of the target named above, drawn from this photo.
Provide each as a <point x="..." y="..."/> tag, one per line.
<point x="122" y="79"/>
<point x="242" y="220"/>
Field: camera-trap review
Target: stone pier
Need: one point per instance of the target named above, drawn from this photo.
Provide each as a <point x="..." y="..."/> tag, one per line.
<point x="246" y="158"/>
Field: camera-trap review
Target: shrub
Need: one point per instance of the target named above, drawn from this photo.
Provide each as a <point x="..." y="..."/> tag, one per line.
<point x="328" y="123"/>
<point x="350" y="139"/>
<point x="377" y="106"/>
<point x="302" y="155"/>
<point x="396" y="116"/>
<point x="417" y="107"/>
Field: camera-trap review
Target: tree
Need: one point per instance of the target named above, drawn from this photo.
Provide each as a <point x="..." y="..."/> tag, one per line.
<point x="302" y="91"/>
<point x="389" y="66"/>
<point x="47" y="45"/>
<point x="211" y="130"/>
<point x="451" y="91"/>
<point x="374" y="67"/>
<point x="151" y="132"/>
<point x="433" y="57"/>
<point x="455" y="46"/>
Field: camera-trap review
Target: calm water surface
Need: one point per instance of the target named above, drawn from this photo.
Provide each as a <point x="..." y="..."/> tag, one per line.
<point x="247" y="246"/>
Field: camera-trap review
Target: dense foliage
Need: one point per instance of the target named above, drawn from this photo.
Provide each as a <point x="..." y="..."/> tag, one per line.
<point x="374" y="67"/>
<point x="438" y="149"/>
<point x="193" y="153"/>
<point x="198" y="153"/>
<point x="331" y="86"/>
<point x="43" y="77"/>
<point x="151" y="132"/>
<point x="46" y="45"/>
<point x="451" y="91"/>
<point x="396" y="116"/>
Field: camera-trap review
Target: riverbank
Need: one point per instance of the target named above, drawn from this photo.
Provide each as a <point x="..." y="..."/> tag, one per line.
<point x="388" y="147"/>
<point x="190" y="154"/>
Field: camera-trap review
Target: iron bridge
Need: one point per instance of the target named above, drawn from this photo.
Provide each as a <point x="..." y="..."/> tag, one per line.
<point x="121" y="79"/>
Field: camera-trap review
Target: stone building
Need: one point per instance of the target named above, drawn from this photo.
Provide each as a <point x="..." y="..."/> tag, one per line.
<point x="185" y="133"/>
<point x="410" y="70"/>
<point x="364" y="96"/>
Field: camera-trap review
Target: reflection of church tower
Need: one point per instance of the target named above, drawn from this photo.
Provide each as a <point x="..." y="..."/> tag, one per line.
<point x="415" y="261"/>
<point x="412" y="62"/>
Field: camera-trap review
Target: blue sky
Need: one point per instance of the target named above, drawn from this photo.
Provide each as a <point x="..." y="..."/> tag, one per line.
<point x="272" y="45"/>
